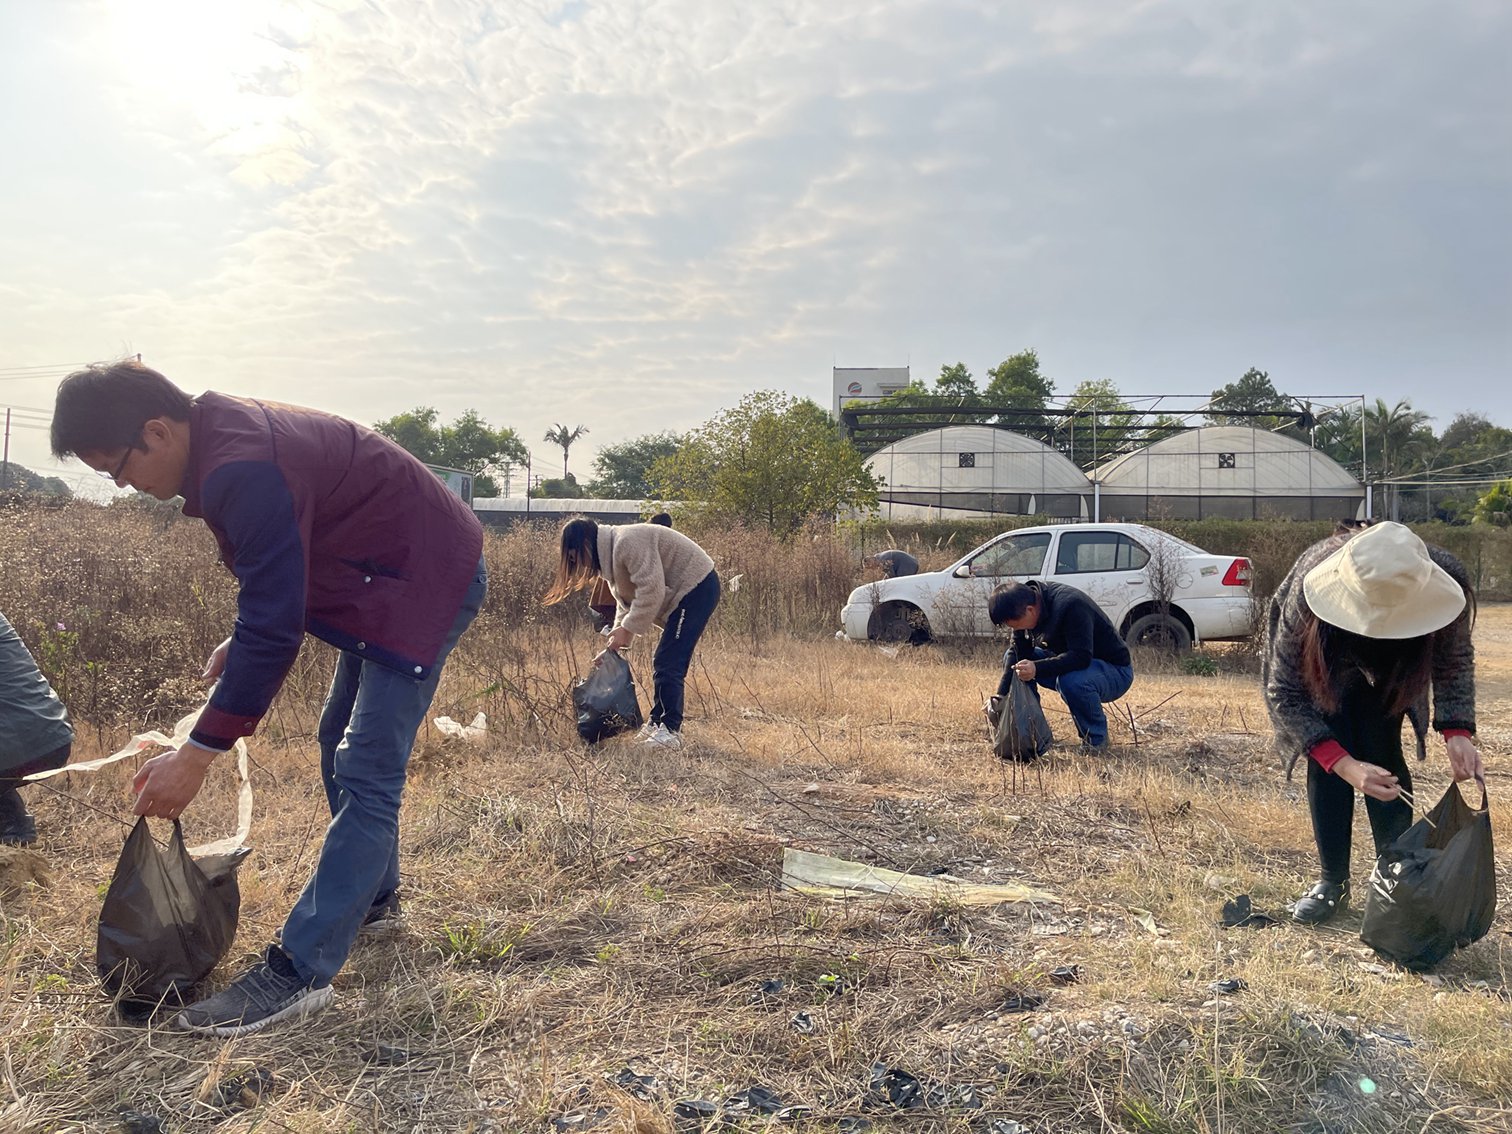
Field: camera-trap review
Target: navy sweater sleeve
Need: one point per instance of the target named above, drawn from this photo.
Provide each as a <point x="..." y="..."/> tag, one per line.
<point x="251" y="505"/>
<point x="1075" y="637"/>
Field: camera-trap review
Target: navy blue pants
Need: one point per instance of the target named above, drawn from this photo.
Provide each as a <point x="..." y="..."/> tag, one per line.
<point x="669" y="665"/>
<point x="1085" y="691"/>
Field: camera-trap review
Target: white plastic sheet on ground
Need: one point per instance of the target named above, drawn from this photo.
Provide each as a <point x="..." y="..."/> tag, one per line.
<point x="823" y="876"/>
<point x="143" y="743"/>
<point x="472" y="733"/>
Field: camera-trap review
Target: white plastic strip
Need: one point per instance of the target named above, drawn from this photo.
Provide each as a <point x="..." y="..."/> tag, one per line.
<point x="144" y="741"/>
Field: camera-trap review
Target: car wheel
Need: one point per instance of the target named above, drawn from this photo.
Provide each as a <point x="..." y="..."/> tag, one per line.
<point x="899" y="622"/>
<point x="1159" y="632"/>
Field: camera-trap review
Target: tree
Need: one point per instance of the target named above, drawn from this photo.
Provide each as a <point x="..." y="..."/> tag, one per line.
<point x="1017" y="382"/>
<point x="773" y="461"/>
<point x="1107" y="426"/>
<point x="1495" y="507"/>
<point x="563" y="488"/>
<point x="1252" y="393"/>
<point x="1470" y="447"/>
<point x="469" y="443"/>
<point x="954" y="401"/>
<point x="622" y="472"/>
<point x="1398" y="438"/>
<point x="955" y="382"/>
<point x="19" y="478"/>
<point x="561" y="435"/>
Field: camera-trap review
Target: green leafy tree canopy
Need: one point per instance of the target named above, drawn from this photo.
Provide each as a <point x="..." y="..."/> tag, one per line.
<point x="1252" y="393"/>
<point x="469" y="443"/>
<point x="622" y="472"/>
<point x="773" y="462"/>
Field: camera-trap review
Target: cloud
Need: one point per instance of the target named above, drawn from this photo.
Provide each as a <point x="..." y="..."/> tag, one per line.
<point x="656" y="205"/>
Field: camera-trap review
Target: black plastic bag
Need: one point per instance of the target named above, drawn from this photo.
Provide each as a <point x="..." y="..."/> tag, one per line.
<point x="168" y="919"/>
<point x="1022" y="731"/>
<point x="1434" y="889"/>
<point x="605" y="702"/>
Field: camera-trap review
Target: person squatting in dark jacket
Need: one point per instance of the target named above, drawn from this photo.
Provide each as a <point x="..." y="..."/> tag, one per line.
<point x="1362" y="626"/>
<point x="330" y="529"/>
<point x="35" y="733"/>
<point x="1063" y="641"/>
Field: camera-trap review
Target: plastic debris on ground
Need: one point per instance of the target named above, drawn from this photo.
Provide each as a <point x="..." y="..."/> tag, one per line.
<point x="580" y="1119"/>
<point x="644" y="1087"/>
<point x="823" y="876"/>
<point x="1022" y="1002"/>
<point x="803" y="1023"/>
<point x="473" y="733"/>
<point x="1240" y="911"/>
<point x="1229" y="986"/>
<point x="1065" y="974"/>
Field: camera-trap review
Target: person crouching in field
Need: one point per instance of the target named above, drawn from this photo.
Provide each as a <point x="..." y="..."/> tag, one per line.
<point x="1064" y="641"/>
<point x="658" y="576"/>
<point x="1361" y="627"/>
<point x="35" y="733"/>
<point x="331" y="529"/>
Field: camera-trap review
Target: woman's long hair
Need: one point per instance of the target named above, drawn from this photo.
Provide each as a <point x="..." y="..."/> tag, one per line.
<point x="578" y="565"/>
<point x="1401" y="668"/>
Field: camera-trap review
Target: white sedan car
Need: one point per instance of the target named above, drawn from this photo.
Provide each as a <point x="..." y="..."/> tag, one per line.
<point x="1157" y="589"/>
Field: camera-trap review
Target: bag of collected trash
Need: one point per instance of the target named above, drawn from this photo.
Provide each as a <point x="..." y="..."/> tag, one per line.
<point x="1435" y="887"/>
<point x="1022" y="731"/>
<point x="604" y="701"/>
<point x="167" y="921"/>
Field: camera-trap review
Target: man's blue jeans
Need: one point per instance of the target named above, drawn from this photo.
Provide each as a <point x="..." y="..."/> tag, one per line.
<point x="367" y="729"/>
<point x="1085" y="691"/>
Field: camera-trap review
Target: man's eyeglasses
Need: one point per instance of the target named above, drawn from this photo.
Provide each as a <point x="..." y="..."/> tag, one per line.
<point x="120" y="468"/>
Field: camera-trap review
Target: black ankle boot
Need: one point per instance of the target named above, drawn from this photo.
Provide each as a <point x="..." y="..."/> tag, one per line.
<point x="1322" y="902"/>
<point x="17" y="827"/>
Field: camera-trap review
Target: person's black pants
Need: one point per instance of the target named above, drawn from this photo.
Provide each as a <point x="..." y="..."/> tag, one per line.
<point x="1370" y="733"/>
<point x="12" y="777"/>
<point x="669" y="665"/>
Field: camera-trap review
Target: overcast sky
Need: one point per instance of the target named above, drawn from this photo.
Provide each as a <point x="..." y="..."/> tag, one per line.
<point x="629" y="213"/>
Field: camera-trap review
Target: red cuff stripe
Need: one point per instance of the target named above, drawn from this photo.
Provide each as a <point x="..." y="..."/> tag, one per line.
<point x="1327" y="754"/>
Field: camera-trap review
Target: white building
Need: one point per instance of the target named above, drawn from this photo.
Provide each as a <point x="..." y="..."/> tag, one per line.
<point x="1231" y="471"/>
<point x="964" y="471"/>
<point x="867" y="384"/>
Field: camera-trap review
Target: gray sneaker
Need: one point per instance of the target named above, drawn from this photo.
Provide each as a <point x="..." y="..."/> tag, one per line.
<point x="269" y="991"/>
<point x="384" y="918"/>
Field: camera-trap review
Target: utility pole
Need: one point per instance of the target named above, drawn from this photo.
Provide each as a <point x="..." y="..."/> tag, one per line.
<point x="5" y="456"/>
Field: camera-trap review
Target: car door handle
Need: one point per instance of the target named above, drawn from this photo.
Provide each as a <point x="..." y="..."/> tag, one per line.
<point x="1135" y="582"/>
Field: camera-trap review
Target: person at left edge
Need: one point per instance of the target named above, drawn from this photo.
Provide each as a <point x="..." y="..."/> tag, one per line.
<point x="329" y="528"/>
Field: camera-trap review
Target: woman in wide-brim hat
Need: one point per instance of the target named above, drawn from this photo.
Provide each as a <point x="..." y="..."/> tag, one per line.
<point x="1362" y="627"/>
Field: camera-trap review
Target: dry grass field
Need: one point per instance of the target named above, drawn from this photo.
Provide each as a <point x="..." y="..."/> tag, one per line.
<point x="598" y="940"/>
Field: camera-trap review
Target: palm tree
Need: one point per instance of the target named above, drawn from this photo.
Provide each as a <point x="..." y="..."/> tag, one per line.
<point x="561" y="435"/>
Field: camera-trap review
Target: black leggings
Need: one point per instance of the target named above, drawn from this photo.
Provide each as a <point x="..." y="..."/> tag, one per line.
<point x="669" y="665"/>
<point x="1370" y="733"/>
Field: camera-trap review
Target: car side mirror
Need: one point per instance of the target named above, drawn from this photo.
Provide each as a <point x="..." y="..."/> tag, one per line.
<point x="963" y="571"/>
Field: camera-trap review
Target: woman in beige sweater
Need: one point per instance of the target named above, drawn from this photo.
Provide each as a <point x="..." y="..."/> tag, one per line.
<point x="659" y="577"/>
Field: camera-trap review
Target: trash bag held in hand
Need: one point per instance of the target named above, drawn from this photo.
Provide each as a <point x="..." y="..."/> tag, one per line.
<point x="1022" y="732"/>
<point x="168" y="919"/>
<point x="1435" y="887"/>
<point x="605" y="702"/>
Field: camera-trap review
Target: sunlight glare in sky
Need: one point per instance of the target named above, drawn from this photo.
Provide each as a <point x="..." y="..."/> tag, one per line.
<point x="229" y="64"/>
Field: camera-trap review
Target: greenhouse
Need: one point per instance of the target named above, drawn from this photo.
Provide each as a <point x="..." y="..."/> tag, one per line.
<point x="977" y="470"/>
<point x="1227" y="471"/>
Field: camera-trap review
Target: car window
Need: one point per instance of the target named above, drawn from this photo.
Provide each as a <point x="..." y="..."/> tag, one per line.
<point x="1084" y="552"/>
<point x="1016" y="555"/>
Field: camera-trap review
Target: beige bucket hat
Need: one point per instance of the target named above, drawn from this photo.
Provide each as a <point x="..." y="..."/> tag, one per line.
<point x="1382" y="584"/>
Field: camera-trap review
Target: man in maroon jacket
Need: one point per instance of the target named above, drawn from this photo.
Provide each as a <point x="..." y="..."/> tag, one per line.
<point x="330" y="529"/>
